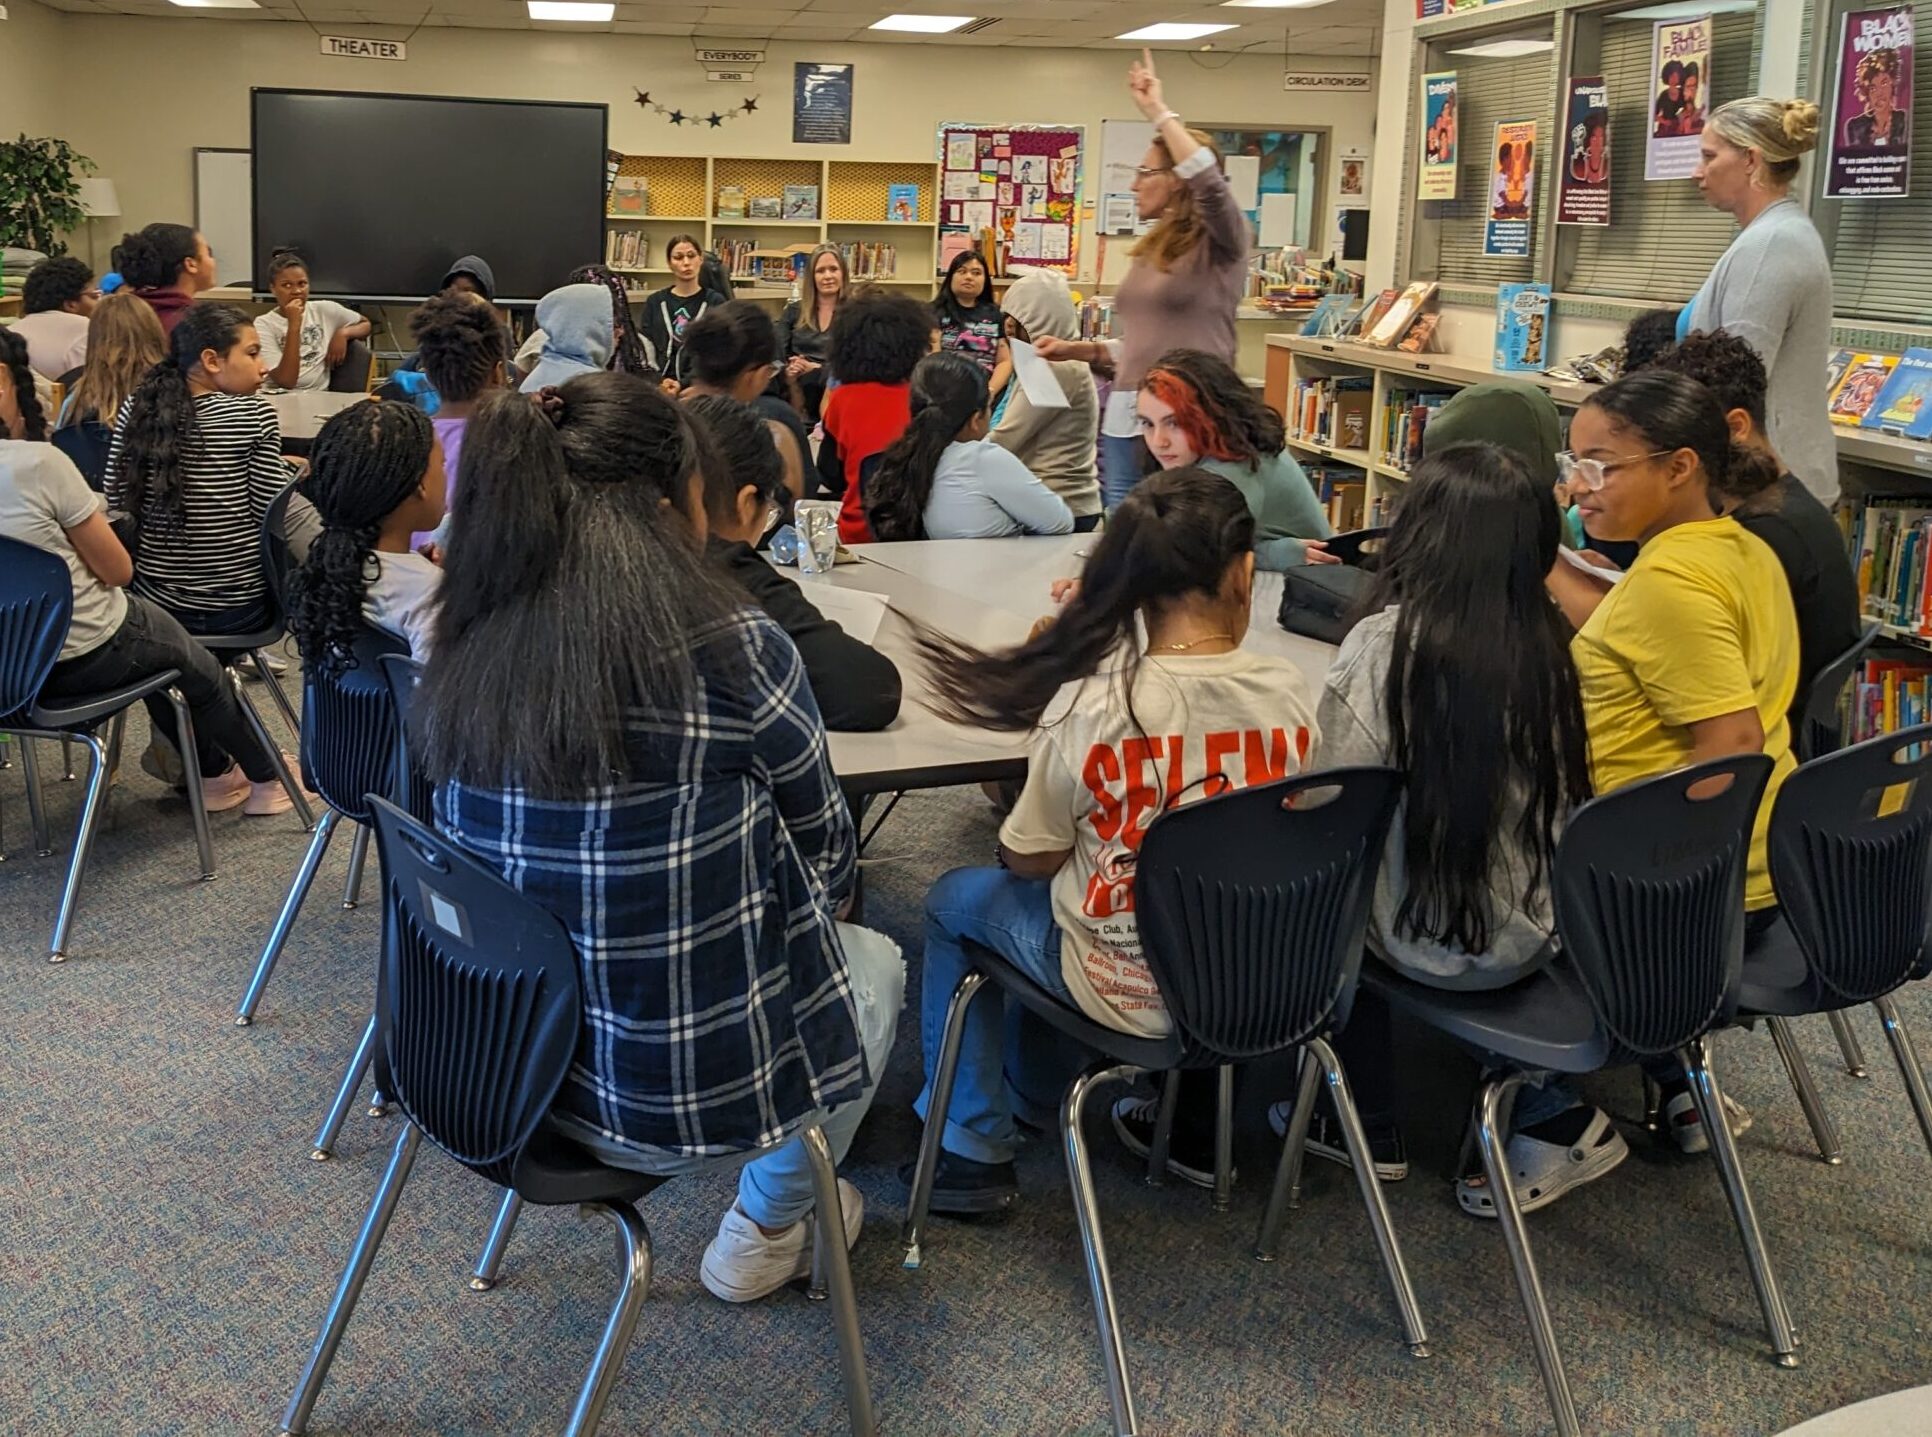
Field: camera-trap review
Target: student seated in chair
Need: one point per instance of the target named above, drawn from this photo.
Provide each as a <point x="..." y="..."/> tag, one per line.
<point x="322" y="328"/>
<point x="1055" y="444"/>
<point x="56" y="302"/>
<point x="461" y="347"/>
<point x="578" y="336"/>
<point x="624" y="738"/>
<point x="876" y="341"/>
<point x="168" y="265"/>
<point x="1178" y="556"/>
<point x="124" y="341"/>
<point x="728" y="353"/>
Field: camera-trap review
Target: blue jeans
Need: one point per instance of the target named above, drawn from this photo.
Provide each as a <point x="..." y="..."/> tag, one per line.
<point x="1120" y="461"/>
<point x="1013" y="916"/>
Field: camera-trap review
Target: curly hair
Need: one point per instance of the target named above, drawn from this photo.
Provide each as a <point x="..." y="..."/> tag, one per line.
<point x="461" y="343"/>
<point x="1875" y="63"/>
<point x="152" y="258"/>
<point x="878" y="338"/>
<point x="13" y="358"/>
<point x="1219" y="413"/>
<point x="53" y="283"/>
<point x="366" y="462"/>
<point x="159" y="425"/>
<point x="628" y="355"/>
<point x="1723" y="364"/>
<point x="1647" y="336"/>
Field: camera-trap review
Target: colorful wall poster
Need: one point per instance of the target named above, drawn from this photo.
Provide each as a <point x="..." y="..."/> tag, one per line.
<point x="1022" y="182"/>
<point x="1680" y="99"/>
<point x="1437" y="170"/>
<point x="821" y="104"/>
<point x="1869" y="151"/>
<point x="1512" y="190"/>
<point x="1583" y="184"/>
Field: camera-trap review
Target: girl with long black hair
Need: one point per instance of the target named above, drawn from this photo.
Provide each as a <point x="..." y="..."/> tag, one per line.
<point x="1177" y="560"/>
<point x="375" y="478"/>
<point x="942" y="479"/>
<point x="970" y="319"/>
<point x="626" y="740"/>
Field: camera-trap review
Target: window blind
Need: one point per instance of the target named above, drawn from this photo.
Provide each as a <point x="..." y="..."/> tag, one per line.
<point x="1489" y="91"/>
<point x="1662" y="238"/>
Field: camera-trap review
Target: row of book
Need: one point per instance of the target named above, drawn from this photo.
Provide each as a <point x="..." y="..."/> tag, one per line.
<point x="627" y="249"/>
<point x="1405" y="416"/>
<point x="798" y="202"/>
<point x="1343" y="492"/>
<point x="1332" y="411"/>
<point x="871" y="261"/>
<point x="1885" y="392"/>
<point x="1393" y="319"/>
<point x="1891" y="548"/>
<point x="1888" y="695"/>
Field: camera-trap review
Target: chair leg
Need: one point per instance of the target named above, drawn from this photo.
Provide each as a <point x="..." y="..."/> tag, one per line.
<point x="943" y="1074"/>
<point x="36" y="804"/>
<point x="66" y="759"/>
<point x="90" y="822"/>
<point x="1363" y="1161"/>
<point x="197" y="805"/>
<point x="1710" y="1110"/>
<point x="274" y="687"/>
<point x="1847" y="1042"/>
<point x="1113" y="1360"/>
<point x="1495" y="1101"/>
<point x="1224" y="1137"/>
<point x="1795" y="1067"/>
<point x="323" y="1148"/>
<point x="1163" y="1142"/>
<point x="634" y="1256"/>
<point x="489" y="1262"/>
<point x="298" y="891"/>
<point x="832" y="1275"/>
<point x="282" y="771"/>
<point x="1653" y="1105"/>
<point x="358" y="852"/>
<point x="1294" y="1144"/>
<point x="295" y="1420"/>
<point x="1908" y="1065"/>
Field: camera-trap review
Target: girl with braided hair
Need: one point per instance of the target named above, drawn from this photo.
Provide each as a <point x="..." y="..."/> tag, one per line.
<point x="21" y="416"/>
<point x="376" y="478"/>
<point x="627" y="354"/>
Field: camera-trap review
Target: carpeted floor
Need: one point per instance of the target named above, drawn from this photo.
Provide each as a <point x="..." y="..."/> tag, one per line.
<point x="167" y="1247"/>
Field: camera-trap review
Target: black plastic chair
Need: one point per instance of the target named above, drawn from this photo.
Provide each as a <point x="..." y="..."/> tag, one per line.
<point x="479" y="1014"/>
<point x="353" y="374"/>
<point x="1648" y="889"/>
<point x="87" y="443"/>
<point x="1851" y="855"/>
<point x="1361" y="548"/>
<point x="1252" y="908"/>
<point x="36" y="606"/>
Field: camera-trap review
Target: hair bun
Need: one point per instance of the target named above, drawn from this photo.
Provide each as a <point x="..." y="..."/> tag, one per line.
<point x="1801" y="124"/>
<point x="550" y="402"/>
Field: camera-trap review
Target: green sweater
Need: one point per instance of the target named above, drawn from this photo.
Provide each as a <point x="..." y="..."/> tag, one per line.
<point x="1284" y="506"/>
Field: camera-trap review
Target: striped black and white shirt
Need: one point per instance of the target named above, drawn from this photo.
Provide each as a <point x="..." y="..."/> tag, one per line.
<point x="232" y="469"/>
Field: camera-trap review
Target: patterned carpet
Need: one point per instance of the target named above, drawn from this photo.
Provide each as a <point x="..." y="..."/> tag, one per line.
<point x="167" y="1247"/>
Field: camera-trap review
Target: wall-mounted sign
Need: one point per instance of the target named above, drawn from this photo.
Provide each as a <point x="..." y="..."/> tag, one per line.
<point x="355" y="47"/>
<point x="732" y="77"/>
<point x="1329" y="80"/>
<point x="731" y="57"/>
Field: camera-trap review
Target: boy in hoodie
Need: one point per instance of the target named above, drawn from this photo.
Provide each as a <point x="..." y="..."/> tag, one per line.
<point x="1058" y="445"/>
<point x="469" y="275"/>
<point x="578" y="335"/>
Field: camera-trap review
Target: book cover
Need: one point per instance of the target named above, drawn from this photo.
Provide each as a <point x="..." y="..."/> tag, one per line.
<point x="765" y="207"/>
<point x="1375" y="309"/>
<point x="902" y="204"/>
<point x="731" y="202"/>
<point x="631" y="196"/>
<point x="1326" y="314"/>
<point x="1421" y="333"/>
<point x="801" y="202"/>
<point x="1395" y="322"/>
<point x="1854" y="396"/>
<point x="1904" y="405"/>
<point x="1835" y="368"/>
<point x="1522" y="327"/>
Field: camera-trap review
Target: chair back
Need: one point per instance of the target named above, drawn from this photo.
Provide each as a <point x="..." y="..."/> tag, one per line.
<point x="1648" y="887"/>
<point x="1252" y="907"/>
<point x="409" y="788"/>
<point x="87" y="443"/>
<point x="278" y="562"/>
<point x="1819" y="728"/>
<point x="358" y="367"/>
<point x="1851" y="853"/>
<point x="36" y="604"/>
<point x="478" y="999"/>
<point x="349" y="726"/>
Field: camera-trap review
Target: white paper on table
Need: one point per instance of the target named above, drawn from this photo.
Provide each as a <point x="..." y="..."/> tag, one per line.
<point x="858" y="611"/>
<point x="961" y="186"/>
<point x="1277" y="221"/>
<point x="1244" y="178"/>
<point x="1037" y="383"/>
<point x="962" y="152"/>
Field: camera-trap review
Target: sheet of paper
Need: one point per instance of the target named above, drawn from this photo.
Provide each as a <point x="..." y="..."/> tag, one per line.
<point x="1006" y="194"/>
<point x="1033" y="201"/>
<point x="1277" y="221"/>
<point x="858" y="611"/>
<point x="977" y="215"/>
<point x="1608" y="576"/>
<point x="1026" y="241"/>
<point x="962" y="152"/>
<point x="1117" y="214"/>
<point x="1031" y="169"/>
<point x="1056" y="241"/>
<point x="960" y="186"/>
<point x="1244" y="178"/>
<point x="1035" y="375"/>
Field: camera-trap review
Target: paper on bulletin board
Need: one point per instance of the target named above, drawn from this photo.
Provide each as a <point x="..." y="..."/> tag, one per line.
<point x="1244" y="178"/>
<point x="961" y="185"/>
<point x="1056" y="242"/>
<point x="1119" y="214"/>
<point x="1026" y="240"/>
<point x="1277" y="221"/>
<point x="977" y="215"/>
<point x="962" y="152"/>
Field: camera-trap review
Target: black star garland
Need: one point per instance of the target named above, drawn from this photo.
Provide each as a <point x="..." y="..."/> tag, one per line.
<point x="715" y="119"/>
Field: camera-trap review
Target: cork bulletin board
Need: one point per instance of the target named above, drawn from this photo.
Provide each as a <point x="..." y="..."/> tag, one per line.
<point x="1022" y="182"/>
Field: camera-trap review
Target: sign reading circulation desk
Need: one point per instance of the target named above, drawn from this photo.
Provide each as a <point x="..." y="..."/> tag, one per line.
<point x="355" y="47"/>
<point x="1331" y="80"/>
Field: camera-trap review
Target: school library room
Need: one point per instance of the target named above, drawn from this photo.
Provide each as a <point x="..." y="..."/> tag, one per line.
<point x="782" y="717"/>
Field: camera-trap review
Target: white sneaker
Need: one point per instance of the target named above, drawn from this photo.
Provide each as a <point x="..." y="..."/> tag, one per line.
<point x="743" y="1265"/>
<point x="1683" y="1123"/>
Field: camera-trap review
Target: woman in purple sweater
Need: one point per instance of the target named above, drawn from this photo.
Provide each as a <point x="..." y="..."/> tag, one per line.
<point x="1189" y="272"/>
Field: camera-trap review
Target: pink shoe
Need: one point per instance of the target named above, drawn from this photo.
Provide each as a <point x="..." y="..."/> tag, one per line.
<point x="225" y="791"/>
<point x="265" y="800"/>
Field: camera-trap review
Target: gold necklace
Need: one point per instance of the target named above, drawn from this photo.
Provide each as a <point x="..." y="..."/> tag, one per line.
<point x="1195" y="643"/>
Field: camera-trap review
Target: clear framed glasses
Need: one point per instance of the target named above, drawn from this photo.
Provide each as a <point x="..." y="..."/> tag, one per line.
<point x="1149" y="171"/>
<point x="1592" y="472"/>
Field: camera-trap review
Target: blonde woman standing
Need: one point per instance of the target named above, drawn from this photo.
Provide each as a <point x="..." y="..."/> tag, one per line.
<point x="1189" y="272"/>
<point x="1772" y="287"/>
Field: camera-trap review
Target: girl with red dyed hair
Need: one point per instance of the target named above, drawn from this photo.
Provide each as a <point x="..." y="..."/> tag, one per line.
<point x="1194" y="409"/>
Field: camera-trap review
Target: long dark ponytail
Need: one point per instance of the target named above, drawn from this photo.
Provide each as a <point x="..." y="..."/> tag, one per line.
<point x="13" y="358"/>
<point x="947" y="391"/>
<point x="366" y="462"/>
<point x="1673" y="411"/>
<point x="158" y="427"/>
<point x="1482" y="701"/>
<point x="1176" y="534"/>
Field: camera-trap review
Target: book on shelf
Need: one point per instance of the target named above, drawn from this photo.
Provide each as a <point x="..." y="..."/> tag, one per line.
<point x="871" y="261"/>
<point x="1326" y="316"/>
<point x="1891" y="544"/>
<point x="630" y="197"/>
<point x="765" y="207"/>
<point x="1372" y="312"/>
<point x="801" y="202"/>
<point x="731" y="202"/>
<point x="1864" y="377"/>
<point x="1395" y="320"/>
<point x="1342" y="490"/>
<point x="1835" y="368"/>
<point x="1904" y="406"/>
<point x="1522" y="327"/>
<point x="627" y="249"/>
<point x="1421" y="335"/>
<point x="1889" y="695"/>
<point x="902" y="204"/>
<point x="1405" y="415"/>
<point x="1332" y="411"/>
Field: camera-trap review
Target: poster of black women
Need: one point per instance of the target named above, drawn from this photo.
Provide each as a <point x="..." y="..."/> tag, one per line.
<point x="1869" y="154"/>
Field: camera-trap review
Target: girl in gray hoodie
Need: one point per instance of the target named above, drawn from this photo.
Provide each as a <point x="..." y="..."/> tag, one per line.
<point x="1056" y="444"/>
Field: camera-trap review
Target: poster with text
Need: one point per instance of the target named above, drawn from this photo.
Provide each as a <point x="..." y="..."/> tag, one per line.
<point x="821" y="104"/>
<point x="1869" y="151"/>
<point x="1437" y="170"/>
<point x="1512" y="190"/>
<point x="1583" y="184"/>
<point x="1680" y="96"/>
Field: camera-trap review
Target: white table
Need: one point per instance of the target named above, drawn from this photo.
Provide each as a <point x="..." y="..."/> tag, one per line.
<point x="1898" y="1414"/>
<point x="302" y="412"/>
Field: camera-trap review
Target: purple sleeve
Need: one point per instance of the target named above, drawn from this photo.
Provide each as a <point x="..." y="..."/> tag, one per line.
<point x="1227" y="226"/>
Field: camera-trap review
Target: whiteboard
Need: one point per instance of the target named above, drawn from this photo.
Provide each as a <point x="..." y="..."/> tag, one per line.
<point x="225" y="212"/>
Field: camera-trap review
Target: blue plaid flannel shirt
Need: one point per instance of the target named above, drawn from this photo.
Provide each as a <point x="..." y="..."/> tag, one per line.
<point x="700" y="894"/>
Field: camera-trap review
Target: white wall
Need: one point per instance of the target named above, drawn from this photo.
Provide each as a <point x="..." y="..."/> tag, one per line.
<point x="31" y="79"/>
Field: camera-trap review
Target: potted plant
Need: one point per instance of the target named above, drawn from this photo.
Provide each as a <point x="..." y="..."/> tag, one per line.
<point x="39" y="193"/>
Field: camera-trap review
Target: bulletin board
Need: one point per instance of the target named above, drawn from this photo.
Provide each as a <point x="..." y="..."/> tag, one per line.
<point x="1021" y="181"/>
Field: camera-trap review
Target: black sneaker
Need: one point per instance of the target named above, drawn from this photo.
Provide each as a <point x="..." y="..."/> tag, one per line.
<point x="1325" y="1140"/>
<point x="962" y="1187"/>
<point x="1189" y="1158"/>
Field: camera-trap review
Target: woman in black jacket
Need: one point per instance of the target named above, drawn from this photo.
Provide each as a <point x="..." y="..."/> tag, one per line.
<point x="804" y="326"/>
